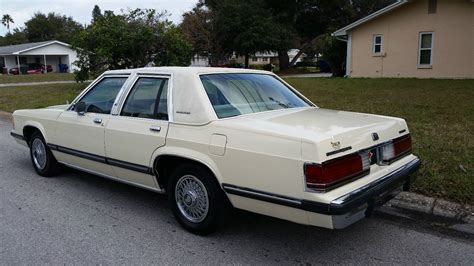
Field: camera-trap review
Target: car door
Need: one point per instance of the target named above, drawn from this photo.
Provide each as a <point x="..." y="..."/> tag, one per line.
<point x="138" y="129"/>
<point x="79" y="138"/>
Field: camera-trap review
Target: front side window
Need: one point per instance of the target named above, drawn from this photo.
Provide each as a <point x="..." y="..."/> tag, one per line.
<point x="425" y="53"/>
<point x="101" y="97"/>
<point x="237" y="94"/>
<point x="378" y="40"/>
<point x="147" y="99"/>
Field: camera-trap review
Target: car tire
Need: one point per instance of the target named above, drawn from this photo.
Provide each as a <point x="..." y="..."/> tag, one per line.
<point x="196" y="199"/>
<point x="41" y="156"/>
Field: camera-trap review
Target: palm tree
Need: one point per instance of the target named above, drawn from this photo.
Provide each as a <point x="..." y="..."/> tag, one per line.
<point x="6" y="21"/>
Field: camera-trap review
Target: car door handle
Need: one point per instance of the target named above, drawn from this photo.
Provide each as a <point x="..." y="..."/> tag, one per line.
<point x="155" y="128"/>
<point x="97" y="120"/>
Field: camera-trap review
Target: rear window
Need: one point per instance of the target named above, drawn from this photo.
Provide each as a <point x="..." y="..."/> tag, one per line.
<point x="238" y="94"/>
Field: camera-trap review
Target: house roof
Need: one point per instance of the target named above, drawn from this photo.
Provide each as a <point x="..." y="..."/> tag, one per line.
<point x="344" y="31"/>
<point x="19" y="48"/>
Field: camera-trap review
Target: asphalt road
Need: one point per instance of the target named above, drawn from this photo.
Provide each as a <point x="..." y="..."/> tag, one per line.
<point x="82" y="219"/>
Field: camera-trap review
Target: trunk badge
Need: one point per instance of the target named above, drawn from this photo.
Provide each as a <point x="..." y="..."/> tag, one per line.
<point x="375" y="136"/>
<point x="336" y="145"/>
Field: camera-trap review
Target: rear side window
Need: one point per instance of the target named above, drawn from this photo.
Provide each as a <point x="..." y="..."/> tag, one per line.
<point x="101" y="97"/>
<point x="242" y="93"/>
<point x="147" y="99"/>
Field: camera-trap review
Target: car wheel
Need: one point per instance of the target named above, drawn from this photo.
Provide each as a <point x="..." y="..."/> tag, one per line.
<point x="41" y="156"/>
<point x="196" y="199"/>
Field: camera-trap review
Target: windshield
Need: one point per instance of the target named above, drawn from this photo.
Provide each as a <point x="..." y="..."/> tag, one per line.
<point x="237" y="94"/>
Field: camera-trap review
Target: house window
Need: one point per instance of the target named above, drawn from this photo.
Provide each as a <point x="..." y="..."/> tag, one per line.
<point x="254" y="59"/>
<point x="378" y="41"/>
<point x="265" y="59"/>
<point x="425" y="54"/>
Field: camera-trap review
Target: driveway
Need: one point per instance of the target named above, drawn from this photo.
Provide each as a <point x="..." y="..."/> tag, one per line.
<point x="76" y="218"/>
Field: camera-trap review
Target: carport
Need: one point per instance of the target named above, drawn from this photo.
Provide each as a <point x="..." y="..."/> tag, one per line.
<point x="54" y="53"/>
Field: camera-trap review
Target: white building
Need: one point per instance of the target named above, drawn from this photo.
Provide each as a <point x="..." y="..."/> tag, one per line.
<point x="51" y="53"/>
<point x="263" y="58"/>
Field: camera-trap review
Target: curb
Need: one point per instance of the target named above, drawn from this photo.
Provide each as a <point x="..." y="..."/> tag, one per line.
<point x="432" y="206"/>
<point x="412" y="206"/>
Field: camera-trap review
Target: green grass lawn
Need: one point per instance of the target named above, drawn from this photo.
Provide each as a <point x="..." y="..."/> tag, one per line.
<point x="440" y="115"/>
<point x="37" y="96"/>
<point x="4" y="79"/>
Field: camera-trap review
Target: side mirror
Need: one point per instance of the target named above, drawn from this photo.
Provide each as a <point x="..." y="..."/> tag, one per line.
<point x="80" y="108"/>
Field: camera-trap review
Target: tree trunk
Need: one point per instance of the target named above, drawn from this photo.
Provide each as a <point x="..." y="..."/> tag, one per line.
<point x="300" y="52"/>
<point x="246" y="60"/>
<point x="283" y="60"/>
<point x="303" y="48"/>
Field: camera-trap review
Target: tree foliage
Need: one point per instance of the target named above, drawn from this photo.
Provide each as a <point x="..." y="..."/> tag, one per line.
<point x="51" y="26"/>
<point x="243" y="27"/>
<point x="246" y="26"/>
<point x="132" y="39"/>
<point x="6" y="21"/>
<point x="15" y="37"/>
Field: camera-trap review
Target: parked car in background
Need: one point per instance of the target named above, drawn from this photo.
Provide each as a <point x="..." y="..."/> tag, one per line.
<point x="213" y="138"/>
<point x="33" y="68"/>
<point x="14" y="71"/>
<point x="37" y="68"/>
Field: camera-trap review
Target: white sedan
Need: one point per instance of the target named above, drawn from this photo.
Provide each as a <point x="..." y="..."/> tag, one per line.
<point x="214" y="138"/>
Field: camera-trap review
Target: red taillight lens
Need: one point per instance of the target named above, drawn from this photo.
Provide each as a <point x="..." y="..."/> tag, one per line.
<point x="329" y="174"/>
<point x="399" y="147"/>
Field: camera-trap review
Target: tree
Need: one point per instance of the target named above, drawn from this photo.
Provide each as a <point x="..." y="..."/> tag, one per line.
<point x="42" y="27"/>
<point x="6" y="21"/>
<point x="96" y="13"/>
<point x="244" y="27"/>
<point x="197" y="27"/>
<point x="16" y="37"/>
<point x="132" y="39"/>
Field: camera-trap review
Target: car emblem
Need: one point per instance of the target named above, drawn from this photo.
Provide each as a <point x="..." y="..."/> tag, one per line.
<point x="375" y="136"/>
<point x="336" y="145"/>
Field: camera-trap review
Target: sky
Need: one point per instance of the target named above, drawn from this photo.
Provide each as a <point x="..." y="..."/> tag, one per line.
<point x="80" y="10"/>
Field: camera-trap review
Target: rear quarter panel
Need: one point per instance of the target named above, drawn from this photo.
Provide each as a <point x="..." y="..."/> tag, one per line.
<point x="251" y="159"/>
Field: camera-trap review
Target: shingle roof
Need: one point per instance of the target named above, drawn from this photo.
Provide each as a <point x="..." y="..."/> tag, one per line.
<point x="14" y="49"/>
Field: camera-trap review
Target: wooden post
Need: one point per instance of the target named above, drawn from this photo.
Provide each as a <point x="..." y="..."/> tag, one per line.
<point x="18" y="63"/>
<point x="45" y="66"/>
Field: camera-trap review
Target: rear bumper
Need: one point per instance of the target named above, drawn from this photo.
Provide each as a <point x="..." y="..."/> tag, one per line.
<point x="359" y="203"/>
<point x="342" y="211"/>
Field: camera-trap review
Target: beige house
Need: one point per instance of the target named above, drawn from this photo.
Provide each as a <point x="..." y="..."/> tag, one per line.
<point x="413" y="38"/>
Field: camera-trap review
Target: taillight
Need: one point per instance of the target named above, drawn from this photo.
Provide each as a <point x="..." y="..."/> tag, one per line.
<point x="335" y="172"/>
<point x="397" y="148"/>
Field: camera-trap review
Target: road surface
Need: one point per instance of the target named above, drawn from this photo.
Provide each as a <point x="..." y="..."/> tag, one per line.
<point x="77" y="218"/>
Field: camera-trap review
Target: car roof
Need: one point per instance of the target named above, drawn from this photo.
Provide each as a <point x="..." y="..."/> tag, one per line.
<point x="186" y="70"/>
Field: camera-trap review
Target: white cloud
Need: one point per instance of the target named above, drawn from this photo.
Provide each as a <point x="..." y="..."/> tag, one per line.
<point x="23" y="10"/>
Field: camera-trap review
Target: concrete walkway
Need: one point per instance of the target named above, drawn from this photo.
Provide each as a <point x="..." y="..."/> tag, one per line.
<point x="39" y="83"/>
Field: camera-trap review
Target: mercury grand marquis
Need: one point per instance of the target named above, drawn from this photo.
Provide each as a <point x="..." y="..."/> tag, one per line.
<point x="215" y="138"/>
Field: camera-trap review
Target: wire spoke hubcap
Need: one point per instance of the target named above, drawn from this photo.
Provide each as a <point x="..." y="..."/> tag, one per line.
<point x="192" y="198"/>
<point x="39" y="153"/>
